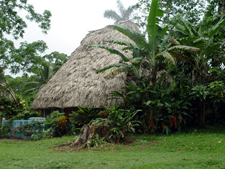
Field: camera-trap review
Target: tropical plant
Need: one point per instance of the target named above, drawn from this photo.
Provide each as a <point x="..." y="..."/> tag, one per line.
<point x="205" y="66"/>
<point x="95" y="141"/>
<point x="44" y="75"/>
<point x="12" y="107"/>
<point x="63" y="126"/>
<point x="148" y="53"/>
<point x="121" y="122"/>
<point x="203" y="37"/>
<point x="125" y="14"/>
<point x="83" y="116"/>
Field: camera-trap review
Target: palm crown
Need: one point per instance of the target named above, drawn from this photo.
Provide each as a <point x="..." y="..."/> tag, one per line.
<point x="125" y="14"/>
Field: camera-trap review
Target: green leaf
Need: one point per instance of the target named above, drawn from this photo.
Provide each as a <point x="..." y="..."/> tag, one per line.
<point x="211" y="48"/>
<point x="215" y="29"/>
<point x="112" y="65"/>
<point x="138" y="38"/>
<point x="162" y="77"/>
<point x="164" y="43"/>
<point x="125" y="43"/>
<point x="184" y="48"/>
<point x="112" y="51"/>
<point x="152" y="26"/>
<point x="132" y="129"/>
<point x="115" y="72"/>
<point x="167" y="56"/>
<point x="188" y="27"/>
<point x="136" y="60"/>
<point x="148" y="102"/>
<point x="173" y="85"/>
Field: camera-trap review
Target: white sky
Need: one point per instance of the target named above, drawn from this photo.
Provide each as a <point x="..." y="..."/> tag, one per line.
<point x="70" y="22"/>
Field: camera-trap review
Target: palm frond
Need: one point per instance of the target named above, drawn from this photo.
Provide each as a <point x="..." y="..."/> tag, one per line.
<point x="110" y="14"/>
<point x="129" y="11"/>
<point x="121" y="8"/>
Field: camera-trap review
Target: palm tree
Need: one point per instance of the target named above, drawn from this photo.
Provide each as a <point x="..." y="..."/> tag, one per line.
<point x="125" y="14"/>
<point x="44" y="75"/>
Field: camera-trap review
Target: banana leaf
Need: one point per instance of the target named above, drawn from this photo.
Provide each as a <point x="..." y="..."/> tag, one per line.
<point x="152" y="27"/>
<point x="112" y="51"/>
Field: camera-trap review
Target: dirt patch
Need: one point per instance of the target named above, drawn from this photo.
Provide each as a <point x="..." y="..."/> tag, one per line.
<point x="126" y="143"/>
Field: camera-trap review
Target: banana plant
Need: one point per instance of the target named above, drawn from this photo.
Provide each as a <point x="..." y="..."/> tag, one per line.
<point x="202" y="37"/>
<point x="132" y="64"/>
<point x="152" y="51"/>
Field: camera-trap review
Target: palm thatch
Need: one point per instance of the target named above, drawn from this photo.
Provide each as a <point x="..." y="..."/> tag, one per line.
<point x="76" y="83"/>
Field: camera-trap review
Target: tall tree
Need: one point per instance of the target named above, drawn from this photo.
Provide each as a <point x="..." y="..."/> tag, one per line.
<point x="43" y="71"/>
<point x="125" y="14"/>
<point x="13" y="24"/>
<point x="191" y="10"/>
<point x="56" y="59"/>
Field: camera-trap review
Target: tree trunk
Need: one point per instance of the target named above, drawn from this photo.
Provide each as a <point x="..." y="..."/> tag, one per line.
<point x="88" y="132"/>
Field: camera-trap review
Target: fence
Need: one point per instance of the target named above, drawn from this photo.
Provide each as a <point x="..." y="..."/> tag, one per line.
<point x="16" y="126"/>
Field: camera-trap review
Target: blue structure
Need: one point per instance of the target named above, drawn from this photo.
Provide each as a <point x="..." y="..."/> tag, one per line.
<point x="18" y="123"/>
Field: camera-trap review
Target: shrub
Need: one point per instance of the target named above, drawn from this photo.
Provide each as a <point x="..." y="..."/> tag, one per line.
<point x="83" y="116"/>
<point x="11" y="107"/>
<point x="56" y="125"/>
<point x="121" y="122"/>
<point x="63" y="126"/>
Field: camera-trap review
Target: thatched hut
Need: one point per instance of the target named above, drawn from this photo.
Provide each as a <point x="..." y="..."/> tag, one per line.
<point x="76" y="84"/>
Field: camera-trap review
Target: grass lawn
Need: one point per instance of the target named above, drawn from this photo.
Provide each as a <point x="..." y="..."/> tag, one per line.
<point x="197" y="149"/>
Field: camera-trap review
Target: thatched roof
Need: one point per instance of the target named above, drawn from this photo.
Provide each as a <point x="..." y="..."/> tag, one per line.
<point x="76" y="84"/>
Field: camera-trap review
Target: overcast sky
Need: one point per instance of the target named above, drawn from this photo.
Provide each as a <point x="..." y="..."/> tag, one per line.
<point x="71" y="21"/>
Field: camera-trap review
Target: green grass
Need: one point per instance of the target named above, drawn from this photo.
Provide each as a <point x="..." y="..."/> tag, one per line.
<point x="197" y="149"/>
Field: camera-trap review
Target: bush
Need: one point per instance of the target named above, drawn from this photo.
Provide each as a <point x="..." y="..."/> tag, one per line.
<point x="56" y="125"/>
<point x="121" y="122"/>
<point x="83" y="116"/>
<point x="11" y="107"/>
